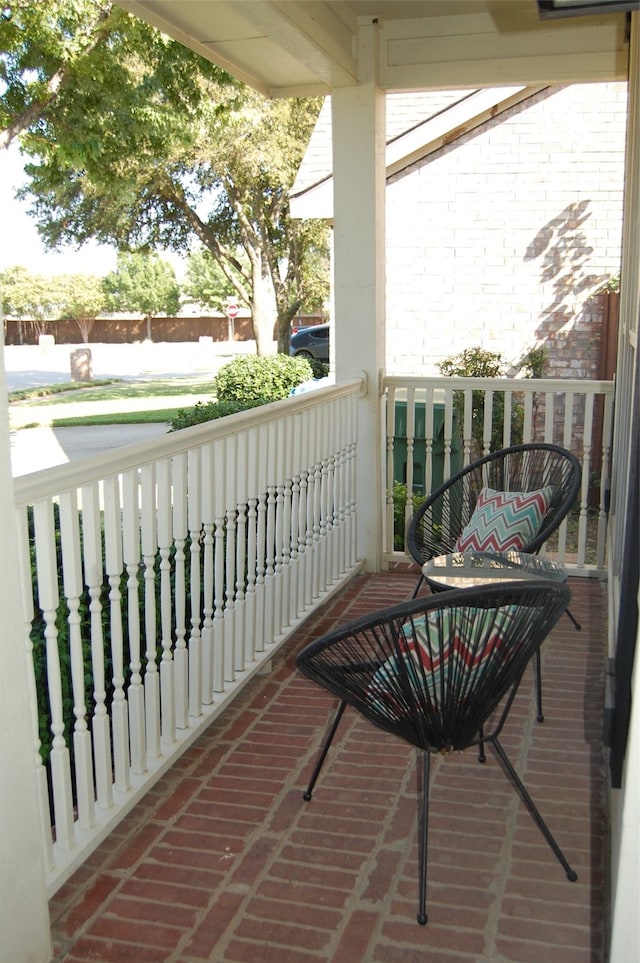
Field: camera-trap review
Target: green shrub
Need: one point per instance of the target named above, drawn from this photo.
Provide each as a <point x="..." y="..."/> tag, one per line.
<point x="209" y="411"/>
<point x="320" y="369"/>
<point x="400" y="495"/>
<point x="478" y="363"/>
<point x="252" y="380"/>
<point x="247" y="382"/>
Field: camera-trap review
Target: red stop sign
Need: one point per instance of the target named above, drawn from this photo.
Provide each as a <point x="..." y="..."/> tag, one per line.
<point x="232" y="310"/>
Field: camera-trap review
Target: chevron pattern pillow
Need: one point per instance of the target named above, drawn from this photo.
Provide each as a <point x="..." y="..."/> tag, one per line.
<point x="434" y="648"/>
<point x="504" y="520"/>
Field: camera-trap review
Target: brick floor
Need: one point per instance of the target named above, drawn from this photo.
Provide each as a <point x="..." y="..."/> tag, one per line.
<point x="223" y="860"/>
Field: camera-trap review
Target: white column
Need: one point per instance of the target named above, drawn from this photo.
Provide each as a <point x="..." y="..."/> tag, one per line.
<point x="625" y="803"/>
<point x="24" y="915"/>
<point x="359" y="272"/>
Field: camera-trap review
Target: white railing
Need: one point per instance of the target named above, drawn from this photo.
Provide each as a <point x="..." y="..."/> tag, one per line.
<point x="435" y="426"/>
<point x="158" y="579"/>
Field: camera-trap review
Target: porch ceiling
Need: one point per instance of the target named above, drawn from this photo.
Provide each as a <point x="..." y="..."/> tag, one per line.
<point x="308" y="47"/>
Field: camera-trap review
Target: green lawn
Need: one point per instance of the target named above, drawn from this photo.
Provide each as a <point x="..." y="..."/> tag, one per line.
<point x="47" y="404"/>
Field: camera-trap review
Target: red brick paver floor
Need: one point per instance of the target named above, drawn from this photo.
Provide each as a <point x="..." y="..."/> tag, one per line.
<point x="223" y="860"/>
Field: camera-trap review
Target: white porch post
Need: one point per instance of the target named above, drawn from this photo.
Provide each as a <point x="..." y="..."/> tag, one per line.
<point x="359" y="272"/>
<point x="625" y="803"/>
<point x="24" y="915"/>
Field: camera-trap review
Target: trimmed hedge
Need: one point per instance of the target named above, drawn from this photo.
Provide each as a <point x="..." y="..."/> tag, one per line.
<point x="247" y="382"/>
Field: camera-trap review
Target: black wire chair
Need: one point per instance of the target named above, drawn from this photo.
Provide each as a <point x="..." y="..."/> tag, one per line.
<point x="437" y="525"/>
<point x="440" y="672"/>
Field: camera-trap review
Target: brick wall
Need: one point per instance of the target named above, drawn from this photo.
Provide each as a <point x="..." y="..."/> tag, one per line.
<point x="501" y="238"/>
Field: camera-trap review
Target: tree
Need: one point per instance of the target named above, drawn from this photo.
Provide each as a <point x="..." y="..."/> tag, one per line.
<point x="45" y="46"/>
<point x="144" y="283"/>
<point x="192" y="157"/>
<point x="28" y="296"/>
<point x="52" y="52"/>
<point x="206" y="282"/>
<point x="82" y="298"/>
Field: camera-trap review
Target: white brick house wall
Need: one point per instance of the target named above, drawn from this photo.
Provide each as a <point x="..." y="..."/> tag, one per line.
<point x="500" y="238"/>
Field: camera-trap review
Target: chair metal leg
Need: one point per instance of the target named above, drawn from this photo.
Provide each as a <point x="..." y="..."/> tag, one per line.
<point x="577" y="624"/>
<point x="417" y="586"/>
<point x="538" y="671"/>
<point x="423" y="825"/>
<point x="325" y="749"/>
<point x="539" y="714"/>
<point x="529" y="803"/>
<point x="481" y="753"/>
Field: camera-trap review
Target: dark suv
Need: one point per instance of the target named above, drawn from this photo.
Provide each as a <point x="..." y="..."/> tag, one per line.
<point x="312" y="342"/>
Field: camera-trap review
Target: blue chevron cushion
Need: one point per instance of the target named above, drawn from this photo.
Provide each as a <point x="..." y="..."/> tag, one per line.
<point x="504" y="520"/>
<point x="439" y="651"/>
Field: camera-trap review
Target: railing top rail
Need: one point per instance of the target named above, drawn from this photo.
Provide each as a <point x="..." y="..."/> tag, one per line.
<point x="501" y="384"/>
<point x="42" y="484"/>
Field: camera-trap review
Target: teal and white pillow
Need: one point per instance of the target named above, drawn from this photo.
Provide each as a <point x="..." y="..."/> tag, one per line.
<point x="436" y="649"/>
<point x="504" y="521"/>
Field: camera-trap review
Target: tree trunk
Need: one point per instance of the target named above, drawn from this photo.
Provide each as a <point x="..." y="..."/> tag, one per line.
<point x="264" y="312"/>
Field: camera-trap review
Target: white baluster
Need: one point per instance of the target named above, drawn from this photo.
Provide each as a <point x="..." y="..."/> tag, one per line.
<point x="586" y="477"/>
<point x="180" y="656"/>
<point x="149" y="549"/>
<point x="287" y="472"/>
<point x="303" y="462"/>
<point x="261" y="549"/>
<point x="317" y="509"/>
<point x="269" y="587"/>
<point x="165" y="542"/>
<point x="239" y="483"/>
<point x="219" y="508"/>
<point x="230" y="656"/>
<point x="24" y="566"/>
<point x="131" y="555"/>
<point x="208" y="585"/>
<point x="48" y="598"/>
<point x="251" y="542"/>
<point x="73" y="586"/>
<point x="260" y="455"/>
<point x="195" y="529"/>
<point x="338" y="490"/>
<point x="295" y="563"/>
<point x="308" y="485"/>
<point x="119" y="708"/>
<point x="278" y="532"/>
<point x="351" y="514"/>
<point x="93" y="576"/>
<point x="218" y="603"/>
<point x="325" y="527"/>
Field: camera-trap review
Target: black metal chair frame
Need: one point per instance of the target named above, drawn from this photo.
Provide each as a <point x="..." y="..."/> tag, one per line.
<point x="482" y="639"/>
<point x="437" y="524"/>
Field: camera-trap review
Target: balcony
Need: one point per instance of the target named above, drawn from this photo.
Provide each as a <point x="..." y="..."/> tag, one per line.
<point x="223" y="860"/>
<point x="162" y="583"/>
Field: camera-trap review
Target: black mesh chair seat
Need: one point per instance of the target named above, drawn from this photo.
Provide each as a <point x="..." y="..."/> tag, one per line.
<point x="440" y="672"/>
<point x="438" y="524"/>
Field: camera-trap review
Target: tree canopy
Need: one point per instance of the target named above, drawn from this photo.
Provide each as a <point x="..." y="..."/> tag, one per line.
<point x="143" y="283"/>
<point x="151" y="147"/>
<point x="205" y="281"/>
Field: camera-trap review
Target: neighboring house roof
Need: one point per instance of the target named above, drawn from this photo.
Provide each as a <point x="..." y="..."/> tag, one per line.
<point x="417" y="124"/>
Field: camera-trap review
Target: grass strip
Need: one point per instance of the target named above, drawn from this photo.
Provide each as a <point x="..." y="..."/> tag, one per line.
<point x="147" y="417"/>
<point x="46" y="391"/>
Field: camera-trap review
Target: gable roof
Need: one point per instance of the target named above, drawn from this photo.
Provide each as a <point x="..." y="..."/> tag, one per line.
<point x="417" y="125"/>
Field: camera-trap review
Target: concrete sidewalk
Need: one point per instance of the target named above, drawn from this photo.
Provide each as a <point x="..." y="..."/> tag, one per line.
<point x="30" y="366"/>
<point x="33" y="449"/>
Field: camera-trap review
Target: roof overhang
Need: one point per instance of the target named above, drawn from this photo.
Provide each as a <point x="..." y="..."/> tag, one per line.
<point x="286" y="48"/>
